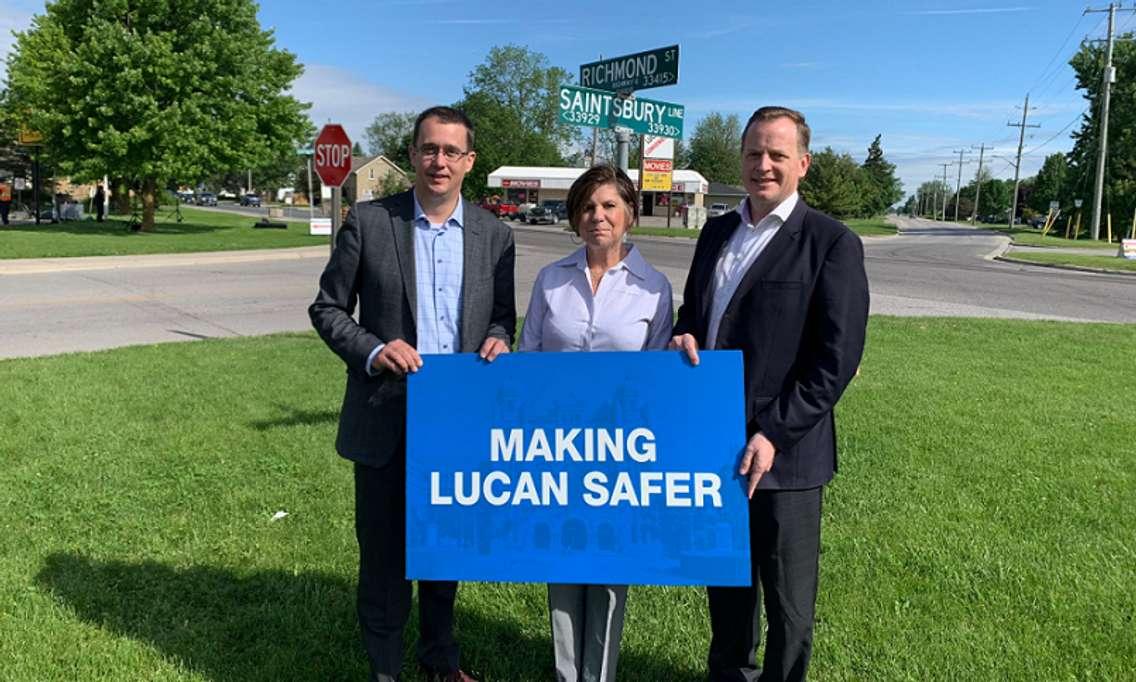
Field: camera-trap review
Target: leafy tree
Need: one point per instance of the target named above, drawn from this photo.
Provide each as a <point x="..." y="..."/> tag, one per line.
<point x="391" y="134"/>
<point x="715" y="148"/>
<point x="1050" y="183"/>
<point x="834" y="184"/>
<point x="501" y="140"/>
<point x="522" y="80"/>
<point x="883" y="188"/>
<point x="197" y="87"/>
<point x="1120" y="171"/>
<point x="511" y="99"/>
<point x="356" y="149"/>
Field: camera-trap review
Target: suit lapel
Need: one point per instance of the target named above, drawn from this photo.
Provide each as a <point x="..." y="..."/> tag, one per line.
<point x="402" y="227"/>
<point x="785" y="237"/>
<point x="718" y="240"/>
<point x="472" y="249"/>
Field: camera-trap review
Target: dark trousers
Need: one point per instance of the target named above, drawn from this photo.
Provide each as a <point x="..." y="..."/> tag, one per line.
<point x="384" y="592"/>
<point x="5" y="206"/>
<point x="784" y="528"/>
<point x="99" y="211"/>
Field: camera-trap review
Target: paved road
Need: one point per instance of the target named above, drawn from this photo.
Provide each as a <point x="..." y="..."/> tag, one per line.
<point x="61" y="305"/>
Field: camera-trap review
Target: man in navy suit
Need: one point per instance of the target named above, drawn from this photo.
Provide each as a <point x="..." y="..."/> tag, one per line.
<point x="785" y="284"/>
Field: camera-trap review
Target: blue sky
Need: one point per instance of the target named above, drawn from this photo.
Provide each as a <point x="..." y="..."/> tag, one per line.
<point x="931" y="76"/>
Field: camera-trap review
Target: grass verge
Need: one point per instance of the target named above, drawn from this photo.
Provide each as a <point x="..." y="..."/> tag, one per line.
<point x="1080" y="260"/>
<point x="980" y="527"/>
<point x="201" y="230"/>
<point x="1029" y="237"/>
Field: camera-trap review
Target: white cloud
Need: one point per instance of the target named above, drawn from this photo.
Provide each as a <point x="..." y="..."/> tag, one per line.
<point x="343" y="97"/>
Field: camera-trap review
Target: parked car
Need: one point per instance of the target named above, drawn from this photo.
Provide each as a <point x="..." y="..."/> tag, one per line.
<point x="206" y="199"/>
<point x="185" y="197"/>
<point x="1037" y="221"/>
<point x="226" y="194"/>
<point x="541" y="215"/>
<point x="717" y="210"/>
<point x="250" y="200"/>
<point x="523" y="212"/>
<point x="556" y="206"/>
<point x="501" y="209"/>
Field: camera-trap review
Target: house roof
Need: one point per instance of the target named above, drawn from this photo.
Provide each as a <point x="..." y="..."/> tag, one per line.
<point x="358" y="163"/>
<point x="722" y="189"/>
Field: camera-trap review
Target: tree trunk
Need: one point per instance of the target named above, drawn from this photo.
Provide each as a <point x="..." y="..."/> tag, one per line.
<point x="120" y="195"/>
<point x="149" y="203"/>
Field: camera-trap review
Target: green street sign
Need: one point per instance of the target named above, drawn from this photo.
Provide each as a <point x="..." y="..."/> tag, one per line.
<point x="585" y="107"/>
<point x="651" y="69"/>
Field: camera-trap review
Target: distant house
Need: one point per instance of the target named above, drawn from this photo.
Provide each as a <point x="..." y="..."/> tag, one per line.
<point x="367" y="175"/>
<point x="721" y="193"/>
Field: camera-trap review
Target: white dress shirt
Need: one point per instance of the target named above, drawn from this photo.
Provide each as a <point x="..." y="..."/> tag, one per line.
<point x="631" y="309"/>
<point x="745" y="245"/>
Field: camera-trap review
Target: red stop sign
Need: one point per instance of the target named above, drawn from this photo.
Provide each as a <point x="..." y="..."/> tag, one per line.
<point x="332" y="152"/>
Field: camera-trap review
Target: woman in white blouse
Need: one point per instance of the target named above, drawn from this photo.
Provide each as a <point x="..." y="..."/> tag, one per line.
<point x="602" y="297"/>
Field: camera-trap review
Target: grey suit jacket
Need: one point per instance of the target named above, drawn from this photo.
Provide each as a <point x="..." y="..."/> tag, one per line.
<point x="373" y="265"/>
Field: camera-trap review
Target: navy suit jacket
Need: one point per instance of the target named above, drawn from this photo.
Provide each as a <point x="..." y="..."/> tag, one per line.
<point x="799" y="316"/>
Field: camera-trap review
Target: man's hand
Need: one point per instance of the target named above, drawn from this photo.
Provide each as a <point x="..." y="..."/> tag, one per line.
<point x="399" y="357"/>
<point x="492" y="347"/>
<point x="685" y="342"/>
<point x="757" y="459"/>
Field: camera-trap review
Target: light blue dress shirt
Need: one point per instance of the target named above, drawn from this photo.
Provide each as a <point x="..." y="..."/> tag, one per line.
<point x="438" y="263"/>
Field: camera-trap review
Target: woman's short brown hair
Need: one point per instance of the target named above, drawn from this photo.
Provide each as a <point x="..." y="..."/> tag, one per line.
<point x="594" y="178"/>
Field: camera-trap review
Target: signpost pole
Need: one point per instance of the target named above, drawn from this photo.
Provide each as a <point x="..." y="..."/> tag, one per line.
<point x="623" y="140"/>
<point x="335" y="215"/>
<point x="35" y="185"/>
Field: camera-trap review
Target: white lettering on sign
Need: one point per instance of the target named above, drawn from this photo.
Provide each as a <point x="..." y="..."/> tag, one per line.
<point x="333" y="155"/>
<point x="619" y="70"/>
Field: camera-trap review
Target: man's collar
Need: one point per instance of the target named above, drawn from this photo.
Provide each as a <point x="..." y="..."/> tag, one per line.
<point x="457" y="217"/>
<point x="782" y="210"/>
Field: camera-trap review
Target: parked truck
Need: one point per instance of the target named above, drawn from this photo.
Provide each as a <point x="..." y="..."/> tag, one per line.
<point x="502" y="209"/>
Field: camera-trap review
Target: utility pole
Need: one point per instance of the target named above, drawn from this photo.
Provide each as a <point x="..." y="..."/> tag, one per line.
<point x="945" y="187"/>
<point x="1108" y="80"/>
<point x="1018" y="165"/>
<point x="977" y="185"/>
<point x="958" y="184"/>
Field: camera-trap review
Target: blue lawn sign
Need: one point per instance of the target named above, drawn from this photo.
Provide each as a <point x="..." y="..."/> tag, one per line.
<point x="610" y="468"/>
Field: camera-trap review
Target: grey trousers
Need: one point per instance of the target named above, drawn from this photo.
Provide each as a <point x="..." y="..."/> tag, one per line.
<point x="587" y="623"/>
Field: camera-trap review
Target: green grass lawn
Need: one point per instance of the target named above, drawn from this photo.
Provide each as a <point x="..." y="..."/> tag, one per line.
<point x="865" y="227"/>
<point x="201" y="231"/>
<point x="981" y="527"/>
<point x="1025" y="236"/>
<point x="1085" y="261"/>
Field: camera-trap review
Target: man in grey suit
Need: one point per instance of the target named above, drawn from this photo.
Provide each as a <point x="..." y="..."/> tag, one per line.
<point x="431" y="273"/>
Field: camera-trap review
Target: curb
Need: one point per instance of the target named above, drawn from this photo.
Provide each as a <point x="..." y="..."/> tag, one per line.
<point x="32" y="266"/>
<point x="1061" y="266"/>
<point x="1000" y="250"/>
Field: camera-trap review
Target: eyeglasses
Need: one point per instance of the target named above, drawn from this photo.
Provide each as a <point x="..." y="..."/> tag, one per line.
<point x="431" y="151"/>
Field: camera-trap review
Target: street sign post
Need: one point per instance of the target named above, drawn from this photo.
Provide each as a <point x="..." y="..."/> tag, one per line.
<point x="333" y="163"/>
<point x="587" y="107"/>
<point x="639" y="71"/>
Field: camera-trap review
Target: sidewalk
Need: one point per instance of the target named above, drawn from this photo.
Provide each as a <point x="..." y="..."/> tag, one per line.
<point x="29" y="266"/>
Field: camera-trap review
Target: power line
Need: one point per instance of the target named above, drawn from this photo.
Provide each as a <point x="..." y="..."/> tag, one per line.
<point x="1058" y="52"/>
<point x="1055" y="135"/>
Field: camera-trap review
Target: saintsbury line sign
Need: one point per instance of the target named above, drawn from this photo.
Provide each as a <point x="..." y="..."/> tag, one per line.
<point x="598" y="108"/>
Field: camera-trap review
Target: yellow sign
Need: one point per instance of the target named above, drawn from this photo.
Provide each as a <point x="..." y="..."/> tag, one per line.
<point x="656" y="182"/>
<point x="29" y="136"/>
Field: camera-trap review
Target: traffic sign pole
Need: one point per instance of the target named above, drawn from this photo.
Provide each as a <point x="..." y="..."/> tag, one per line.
<point x="335" y="216"/>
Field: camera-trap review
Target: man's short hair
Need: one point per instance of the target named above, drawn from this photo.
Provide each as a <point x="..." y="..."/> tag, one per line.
<point x="772" y="113"/>
<point x="594" y="178"/>
<point x="446" y="115"/>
